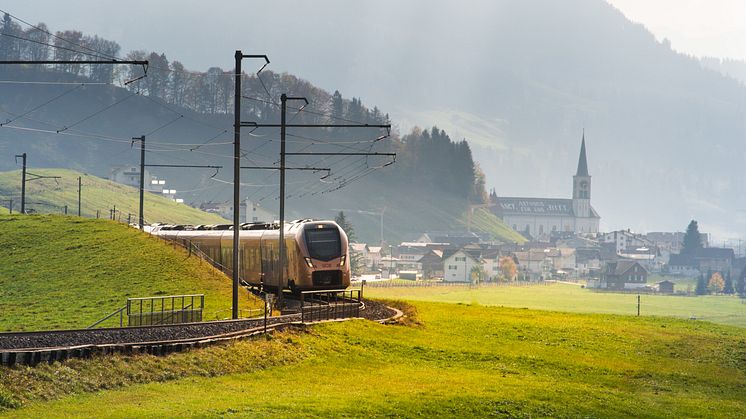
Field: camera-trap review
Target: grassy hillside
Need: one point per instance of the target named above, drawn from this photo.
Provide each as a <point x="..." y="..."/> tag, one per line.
<point x="50" y="196"/>
<point x="463" y="361"/>
<point x="67" y="272"/>
<point x="484" y="221"/>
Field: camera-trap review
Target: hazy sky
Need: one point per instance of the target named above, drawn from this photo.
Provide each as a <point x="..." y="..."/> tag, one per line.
<point x="202" y="36"/>
<point x="699" y="27"/>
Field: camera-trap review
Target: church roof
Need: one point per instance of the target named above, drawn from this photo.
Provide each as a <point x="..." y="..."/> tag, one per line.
<point x="534" y="206"/>
<point x="582" y="161"/>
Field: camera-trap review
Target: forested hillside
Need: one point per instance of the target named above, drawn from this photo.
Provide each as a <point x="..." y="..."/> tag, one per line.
<point x="83" y="117"/>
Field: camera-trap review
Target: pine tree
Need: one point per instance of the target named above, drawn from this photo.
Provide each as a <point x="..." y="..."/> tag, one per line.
<point x="701" y="286"/>
<point x="741" y="283"/>
<point x="728" y="289"/>
<point x="357" y="265"/>
<point x="692" y="239"/>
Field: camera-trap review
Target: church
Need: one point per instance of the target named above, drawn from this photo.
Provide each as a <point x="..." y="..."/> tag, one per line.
<point x="538" y="217"/>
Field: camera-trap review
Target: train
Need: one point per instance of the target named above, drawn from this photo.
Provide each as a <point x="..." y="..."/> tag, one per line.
<point x="316" y="252"/>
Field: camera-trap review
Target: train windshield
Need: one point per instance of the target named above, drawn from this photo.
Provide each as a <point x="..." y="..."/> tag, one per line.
<point x="323" y="243"/>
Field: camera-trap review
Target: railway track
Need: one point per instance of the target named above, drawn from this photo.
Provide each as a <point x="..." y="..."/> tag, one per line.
<point x="31" y="348"/>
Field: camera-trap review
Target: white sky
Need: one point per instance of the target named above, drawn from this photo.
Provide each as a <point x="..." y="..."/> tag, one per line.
<point x="185" y="29"/>
<point x="714" y="28"/>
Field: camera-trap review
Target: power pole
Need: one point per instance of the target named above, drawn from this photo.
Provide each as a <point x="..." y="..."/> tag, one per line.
<point x="141" y="138"/>
<point x="638" y="305"/>
<point x="23" y="182"/>
<point x="236" y="180"/>
<point x="239" y="56"/>
<point x="80" y="187"/>
<point x="283" y="125"/>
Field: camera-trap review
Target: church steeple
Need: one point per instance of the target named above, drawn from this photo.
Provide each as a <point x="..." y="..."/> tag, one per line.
<point x="581" y="185"/>
<point x="582" y="162"/>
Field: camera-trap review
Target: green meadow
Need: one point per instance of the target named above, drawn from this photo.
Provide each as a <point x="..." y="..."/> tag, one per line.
<point x="729" y="310"/>
<point x="449" y="360"/>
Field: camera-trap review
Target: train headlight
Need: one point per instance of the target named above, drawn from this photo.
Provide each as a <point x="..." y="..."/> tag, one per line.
<point x="308" y="262"/>
<point x="344" y="259"/>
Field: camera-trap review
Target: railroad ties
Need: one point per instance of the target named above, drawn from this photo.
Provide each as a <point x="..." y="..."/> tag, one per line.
<point x="33" y="348"/>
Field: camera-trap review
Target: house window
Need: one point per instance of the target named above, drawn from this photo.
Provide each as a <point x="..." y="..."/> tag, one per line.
<point x="515" y="227"/>
<point x="541" y="229"/>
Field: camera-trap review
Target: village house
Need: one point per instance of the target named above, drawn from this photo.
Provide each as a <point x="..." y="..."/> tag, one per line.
<point x="458" y="265"/>
<point x="540" y="264"/>
<point x="587" y="262"/>
<point x="623" y="275"/>
<point x="625" y="239"/>
<point x="715" y="259"/>
<point x="666" y="287"/>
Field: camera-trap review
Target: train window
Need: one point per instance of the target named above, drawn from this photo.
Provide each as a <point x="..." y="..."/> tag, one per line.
<point x="323" y="243"/>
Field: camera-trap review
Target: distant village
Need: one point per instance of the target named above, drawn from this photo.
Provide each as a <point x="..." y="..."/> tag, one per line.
<point x="562" y="242"/>
<point x="617" y="260"/>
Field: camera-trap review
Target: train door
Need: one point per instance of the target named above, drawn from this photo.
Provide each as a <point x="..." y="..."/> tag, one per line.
<point x="268" y="262"/>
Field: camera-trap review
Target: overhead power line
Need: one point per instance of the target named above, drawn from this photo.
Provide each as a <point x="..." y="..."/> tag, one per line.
<point x="57" y="36"/>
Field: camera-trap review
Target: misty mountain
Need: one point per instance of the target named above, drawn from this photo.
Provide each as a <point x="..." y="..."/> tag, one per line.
<point x="521" y="79"/>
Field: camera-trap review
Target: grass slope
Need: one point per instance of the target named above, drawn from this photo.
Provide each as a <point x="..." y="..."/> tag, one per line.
<point x="463" y="361"/>
<point x="67" y="272"/>
<point x="50" y="196"/>
<point x="728" y="310"/>
<point x="484" y="221"/>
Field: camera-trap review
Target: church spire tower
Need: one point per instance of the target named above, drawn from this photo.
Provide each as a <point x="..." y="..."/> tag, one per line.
<point x="581" y="189"/>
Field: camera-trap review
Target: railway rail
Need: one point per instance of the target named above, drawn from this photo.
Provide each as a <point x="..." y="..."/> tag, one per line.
<point x="31" y="348"/>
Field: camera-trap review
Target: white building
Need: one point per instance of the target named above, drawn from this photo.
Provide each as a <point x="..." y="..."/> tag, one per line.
<point x="255" y="212"/>
<point x="457" y="267"/>
<point x="625" y="239"/>
<point x="129" y="175"/>
<point x="540" y="216"/>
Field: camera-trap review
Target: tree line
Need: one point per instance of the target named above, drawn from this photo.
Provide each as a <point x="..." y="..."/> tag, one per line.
<point x="427" y="158"/>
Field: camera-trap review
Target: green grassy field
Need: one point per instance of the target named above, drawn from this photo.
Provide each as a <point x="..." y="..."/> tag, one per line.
<point x="50" y="196"/>
<point x="572" y="298"/>
<point x="67" y="272"/>
<point x="461" y="361"/>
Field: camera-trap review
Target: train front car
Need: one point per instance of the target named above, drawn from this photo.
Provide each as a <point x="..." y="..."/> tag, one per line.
<point x="324" y="264"/>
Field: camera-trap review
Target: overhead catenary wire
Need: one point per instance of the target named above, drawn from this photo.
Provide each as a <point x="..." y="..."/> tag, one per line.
<point x="57" y="36"/>
<point x="36" y="108"/>
<point x="50" y="45"/>
<point x="164" y="125"/>
<point x="60" y="83"/>
<point x="65" y="128"/>
<point x="304" y="109"/>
